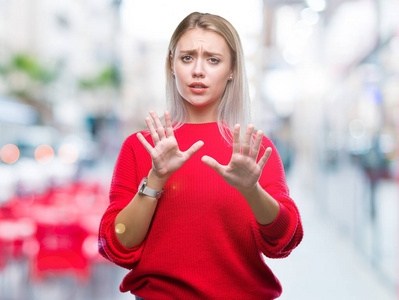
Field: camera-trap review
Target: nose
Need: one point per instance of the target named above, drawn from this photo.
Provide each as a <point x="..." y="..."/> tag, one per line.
<point x="198" y="70"/>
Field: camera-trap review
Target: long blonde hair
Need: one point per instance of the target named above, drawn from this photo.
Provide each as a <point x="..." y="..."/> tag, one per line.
<point x="235" y="104"/>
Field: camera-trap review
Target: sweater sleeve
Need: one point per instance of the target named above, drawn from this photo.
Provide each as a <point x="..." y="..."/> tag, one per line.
<point x="278" y="239"/>
<point x="123" y="188"/>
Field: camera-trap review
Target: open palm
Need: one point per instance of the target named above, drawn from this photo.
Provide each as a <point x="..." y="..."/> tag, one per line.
<point x="166" y="155"/>
<point x="243" y="170"/>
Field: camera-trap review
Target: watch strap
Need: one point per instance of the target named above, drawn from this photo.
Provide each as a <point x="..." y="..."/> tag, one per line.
<point x="145" y="190"/>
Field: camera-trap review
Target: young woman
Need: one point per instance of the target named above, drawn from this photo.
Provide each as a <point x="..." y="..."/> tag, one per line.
<point x="194" y="203"/>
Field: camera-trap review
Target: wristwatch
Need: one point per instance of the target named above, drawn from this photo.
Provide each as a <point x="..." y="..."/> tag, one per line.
<point x="145" y="190"/>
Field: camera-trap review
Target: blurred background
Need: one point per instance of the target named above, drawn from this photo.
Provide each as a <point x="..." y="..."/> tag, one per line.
<point x="78" y="77"/>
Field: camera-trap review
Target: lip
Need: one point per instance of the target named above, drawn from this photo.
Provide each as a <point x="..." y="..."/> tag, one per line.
<point x="195" y="84"/>
<point x="198" y="87"/>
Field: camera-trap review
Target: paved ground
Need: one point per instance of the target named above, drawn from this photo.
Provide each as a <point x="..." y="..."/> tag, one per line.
<point x="327" y="265"/>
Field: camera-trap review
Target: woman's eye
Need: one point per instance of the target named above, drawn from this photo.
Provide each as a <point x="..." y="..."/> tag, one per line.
<point x="186" y="58"/>
<point x="214" y="60"/>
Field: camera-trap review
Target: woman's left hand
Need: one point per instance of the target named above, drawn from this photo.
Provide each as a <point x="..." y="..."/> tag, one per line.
<point x="243" y="170"/>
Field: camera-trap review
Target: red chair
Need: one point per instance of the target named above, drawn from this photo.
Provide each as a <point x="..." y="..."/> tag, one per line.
<point x="60" y="251"/>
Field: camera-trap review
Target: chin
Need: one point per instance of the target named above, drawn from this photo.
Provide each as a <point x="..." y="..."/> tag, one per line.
<point x="200" y="104"/>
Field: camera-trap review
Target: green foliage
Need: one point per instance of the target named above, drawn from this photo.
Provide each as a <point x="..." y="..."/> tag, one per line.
<point x="29" y="65"/>
<point x="108" y="77"/>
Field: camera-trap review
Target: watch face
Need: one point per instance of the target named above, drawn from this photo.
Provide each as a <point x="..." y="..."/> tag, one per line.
<point x="142" y="185"/>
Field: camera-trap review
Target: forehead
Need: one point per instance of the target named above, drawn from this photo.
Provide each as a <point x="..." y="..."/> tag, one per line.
<point x="200" y="39"/>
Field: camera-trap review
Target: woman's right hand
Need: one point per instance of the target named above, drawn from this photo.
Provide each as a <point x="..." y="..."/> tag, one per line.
<point x="166" y="155"/>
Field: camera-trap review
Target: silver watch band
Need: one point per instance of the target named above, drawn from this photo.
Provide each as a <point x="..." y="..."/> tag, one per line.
<point x="145" y="190"/>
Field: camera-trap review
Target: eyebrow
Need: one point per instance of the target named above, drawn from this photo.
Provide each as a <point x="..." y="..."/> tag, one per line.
<point x="207" y="53"/>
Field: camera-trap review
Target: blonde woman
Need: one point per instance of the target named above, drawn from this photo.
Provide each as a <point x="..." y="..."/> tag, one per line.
<point x="195" y="202"/>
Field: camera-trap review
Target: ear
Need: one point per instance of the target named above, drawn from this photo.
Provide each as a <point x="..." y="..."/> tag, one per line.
<point x="231" y="75"/>
<point x="171" y="63"/>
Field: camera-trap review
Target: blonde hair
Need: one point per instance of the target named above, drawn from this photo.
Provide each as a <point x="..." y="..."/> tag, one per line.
<point x="234" y="106"/>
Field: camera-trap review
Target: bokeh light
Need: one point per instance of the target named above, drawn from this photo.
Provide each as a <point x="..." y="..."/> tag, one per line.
<point x="68" y="153"/>
<point x="44" y="154"/>
<point x="9" y="153"/>
<point x="310" y="16"/>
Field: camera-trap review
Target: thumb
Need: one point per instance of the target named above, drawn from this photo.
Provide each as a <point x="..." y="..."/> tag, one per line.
<point x="194" y="148"/>
<point x="211" y="162"/>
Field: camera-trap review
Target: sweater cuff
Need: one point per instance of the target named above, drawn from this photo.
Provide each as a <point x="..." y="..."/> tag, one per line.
<point x="112" y="249"/>
<point x="280" y="225"/>
<point x="119" y="247"/>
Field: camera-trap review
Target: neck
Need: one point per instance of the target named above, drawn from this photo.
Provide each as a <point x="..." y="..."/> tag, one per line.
<point x="198" y="114"/>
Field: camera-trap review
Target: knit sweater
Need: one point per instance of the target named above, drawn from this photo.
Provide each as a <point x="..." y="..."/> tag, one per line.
<point x="204" y="241"/>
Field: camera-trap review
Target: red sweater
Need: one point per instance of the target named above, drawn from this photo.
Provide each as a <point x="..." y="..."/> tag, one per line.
<point x="204" y="241"/>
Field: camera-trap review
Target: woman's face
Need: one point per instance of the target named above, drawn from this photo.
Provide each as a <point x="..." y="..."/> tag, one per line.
<point x="202" y="66"/>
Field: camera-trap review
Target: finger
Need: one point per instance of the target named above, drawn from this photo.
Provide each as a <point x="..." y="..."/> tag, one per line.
<point x="154" y="135"/>
<point x="246" y="147"/>
<point x="256" y="146"/>
<point x="211" y="162"/>
<point x="168" y="124"/>
<point x="236" y="139"/>
<point x="158" y="125"/>
<point x="146" y="144"/>
<point x="194" y="148"/>
<point x="262" y="162"/>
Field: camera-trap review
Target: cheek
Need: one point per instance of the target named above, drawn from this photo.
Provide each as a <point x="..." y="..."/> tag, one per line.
<point x="180" y="76"/>
<point x="180" y="85"/>
<point x="221" y="84"/>
<point x="221" y="89"/>
<point x="222" y="77"/>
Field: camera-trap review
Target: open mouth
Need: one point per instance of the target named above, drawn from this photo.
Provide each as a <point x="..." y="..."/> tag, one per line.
<point x="198" y="88"/>
<point x="198" y="85"/>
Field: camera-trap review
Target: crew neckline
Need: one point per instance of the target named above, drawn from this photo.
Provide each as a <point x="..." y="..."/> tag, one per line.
<point x="199" y="126"/>
<point x="206" y="123"/>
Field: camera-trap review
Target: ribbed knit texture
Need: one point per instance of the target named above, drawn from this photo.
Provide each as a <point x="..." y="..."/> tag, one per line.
<point x="204" y="241"/>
